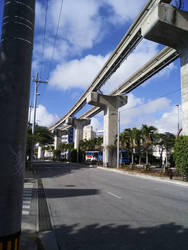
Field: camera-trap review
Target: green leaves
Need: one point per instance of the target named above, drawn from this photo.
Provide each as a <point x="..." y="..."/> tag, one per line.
<point x="181" y="154"/>
<point x="42" y="135"/>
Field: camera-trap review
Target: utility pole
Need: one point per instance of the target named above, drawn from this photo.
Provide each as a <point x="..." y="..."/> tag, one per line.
<point x="37" y="83"/>
<point x="177" y="105"/>
<point x="29" y="117"/>
<point x="15" y="70"/>
<point x="118" y="131"/>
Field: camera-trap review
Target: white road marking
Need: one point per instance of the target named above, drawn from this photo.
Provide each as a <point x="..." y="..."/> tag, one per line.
<point x="26" y="202"/>
<point x="26" y="195"/>
<point x="26" y="198"/>
<point x="26" y="206"/>
<point x="119" y="197"/>
<point x="25" y="212"/>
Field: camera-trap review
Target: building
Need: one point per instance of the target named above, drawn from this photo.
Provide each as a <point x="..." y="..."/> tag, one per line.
<point x="68" y="136"/>
<point x="100" y="133"/>
<point x="88" y="133"/>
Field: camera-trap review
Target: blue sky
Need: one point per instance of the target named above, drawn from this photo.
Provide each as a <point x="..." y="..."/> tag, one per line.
<point x="89" y="31"/>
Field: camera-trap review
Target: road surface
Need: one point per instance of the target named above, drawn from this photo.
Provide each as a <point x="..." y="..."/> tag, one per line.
<point x="95" y="209"/>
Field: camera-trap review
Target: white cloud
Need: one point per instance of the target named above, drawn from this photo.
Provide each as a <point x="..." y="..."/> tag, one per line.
<point x="82" y="25"/>
<point x="81" y="73"/>
<point x="142" y="54"/>
<point x="157" y="112"/>
<point x="138" y="111"/>
<point x="79" y="27"/>
<point x="169" y="121"/>
<point x="122" y="12"/>
<point x="43" y="117"/>
<point x="77" y="73"/>
<point x="96" y="124"/>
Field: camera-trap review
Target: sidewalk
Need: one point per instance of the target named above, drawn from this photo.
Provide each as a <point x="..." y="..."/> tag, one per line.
<point x="29" y="215"/>
<point x="36" y="234"/>
<point x="144" y="176"/>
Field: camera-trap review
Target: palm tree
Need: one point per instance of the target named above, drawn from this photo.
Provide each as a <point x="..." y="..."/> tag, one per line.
<point x="128" y="142"/>
<point x="98" y="143"/>
<point x="147" y="139"/>
<point x="137" y="142"/>
<point x="166" y="142"/>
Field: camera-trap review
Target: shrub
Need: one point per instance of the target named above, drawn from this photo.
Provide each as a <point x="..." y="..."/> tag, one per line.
<point x="181" y="154"/>
<point x="73" y="156"/>
<point x="57" y="154"/>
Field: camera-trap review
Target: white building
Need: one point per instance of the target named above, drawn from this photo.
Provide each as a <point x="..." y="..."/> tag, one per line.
<point x="100" y="133"/>
<point x="157" y="153"/>
<point x="64" y="138"/>
<point x="88" y="133"/>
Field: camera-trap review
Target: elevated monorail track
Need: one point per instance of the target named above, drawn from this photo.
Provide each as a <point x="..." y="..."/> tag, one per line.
<point x="152" y="67"/>
<point x="124" y="48"/>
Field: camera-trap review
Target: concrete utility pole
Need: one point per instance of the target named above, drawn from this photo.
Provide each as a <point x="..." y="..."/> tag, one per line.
<point x="29" y="116"/>
<point x="37" y="83"/>
<point x="118" y="132"/>
<point x="177" y="105"/>
<point x="15" y="69"/>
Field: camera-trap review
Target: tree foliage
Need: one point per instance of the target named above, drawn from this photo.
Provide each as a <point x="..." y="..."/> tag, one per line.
<point x="42" y="136"/>
<point x="181" y="154"/>
<point x="92" y="144"/>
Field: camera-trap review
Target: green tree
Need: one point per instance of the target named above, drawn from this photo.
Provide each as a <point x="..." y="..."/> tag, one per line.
<point x="42" y="136"/>
<point x="164" y="142"/>
<point x="128" y="142"/>
<point x="98" y="143"/>
<point x="181" y="155"/>
<point x="148" y="133"/>
<point x="137" y="142"/>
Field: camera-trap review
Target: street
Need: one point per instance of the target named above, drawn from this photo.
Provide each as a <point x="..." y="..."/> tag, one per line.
<point x="96" y="209"/>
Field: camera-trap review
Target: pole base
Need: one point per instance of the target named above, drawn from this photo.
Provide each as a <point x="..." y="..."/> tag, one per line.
<point x="10" y="242"/>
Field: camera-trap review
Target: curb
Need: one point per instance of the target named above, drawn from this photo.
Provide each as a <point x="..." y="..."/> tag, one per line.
<point x="160" y="179"/>
<point x="48" y="238"/>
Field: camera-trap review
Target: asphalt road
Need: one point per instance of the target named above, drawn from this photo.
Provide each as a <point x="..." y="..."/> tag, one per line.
<point x="94" y="209"/>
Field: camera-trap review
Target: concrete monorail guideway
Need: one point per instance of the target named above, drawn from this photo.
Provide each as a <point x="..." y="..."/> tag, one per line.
<point x="153" y="66"/>
<point x="124" y="48"/>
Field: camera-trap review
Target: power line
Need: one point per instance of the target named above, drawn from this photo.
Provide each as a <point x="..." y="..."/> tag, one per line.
<point x="53" y="49"/>
<point x="167" y="94"/>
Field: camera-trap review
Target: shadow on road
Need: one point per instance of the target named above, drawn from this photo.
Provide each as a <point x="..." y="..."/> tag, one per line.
<point x="69" y="192"/>
<point x="43" y="169"/>
<point x="113" y="237"/>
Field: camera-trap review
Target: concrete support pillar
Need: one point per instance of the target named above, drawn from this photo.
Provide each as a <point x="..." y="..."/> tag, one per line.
<point x="78" y="125"/>
<point x="110" y="105"/>
<point x="57" y="138"/>
<point x="184" y="88"/>
<point x="39" y="154"/>
<point x="169" y="26"/>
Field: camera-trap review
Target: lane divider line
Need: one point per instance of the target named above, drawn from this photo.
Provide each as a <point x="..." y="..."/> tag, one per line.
<point x="119" y="197"/>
